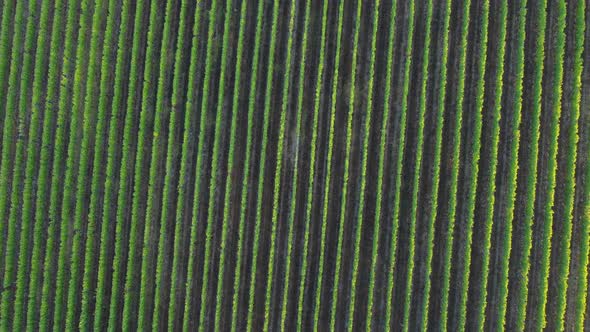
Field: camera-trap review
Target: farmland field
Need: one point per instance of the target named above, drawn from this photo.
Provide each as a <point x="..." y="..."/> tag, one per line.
<point x="266" y="165"/>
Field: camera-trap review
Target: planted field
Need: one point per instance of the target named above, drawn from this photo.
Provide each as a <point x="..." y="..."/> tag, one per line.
<point x="233" y="165"/>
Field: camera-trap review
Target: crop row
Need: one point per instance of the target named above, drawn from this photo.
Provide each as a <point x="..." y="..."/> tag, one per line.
<point x="285" y="165"/>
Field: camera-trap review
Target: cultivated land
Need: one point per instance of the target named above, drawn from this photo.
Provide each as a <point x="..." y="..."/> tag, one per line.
<point x="229" y="165"/>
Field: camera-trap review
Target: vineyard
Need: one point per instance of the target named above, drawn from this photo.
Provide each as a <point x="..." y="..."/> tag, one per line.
<point x="283" y="165"/>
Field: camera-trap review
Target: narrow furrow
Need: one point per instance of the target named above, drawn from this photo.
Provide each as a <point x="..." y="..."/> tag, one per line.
<point x="474" y="152"/>
<point x="546" y="215"/>
<point x="563" y="267"/>
<point x="261" y="166"/>
<point x="523" y="266"/>
<point x="584" y="217"/>
<point x="489" y="185"/>
<point x="419" y="148"/>
<point x="436" y="166"/>
<point x="246" y="167"/>
<point x="184" y="171"/>
<point x="385" y="120"/>
<point x="345" y="180"/>
<point x="284" y="297"/>
<point x="365" y="157"/>
<point x="582" y="276"/>
<point x="225" y="218"/>
<point x="312" y="168"/>
<point x="279" y="166"/>
<point x="399" y="159"/>
<point x="455" y="162"/>
<point x="328" y="177"/>
<point x="201" y="154"/>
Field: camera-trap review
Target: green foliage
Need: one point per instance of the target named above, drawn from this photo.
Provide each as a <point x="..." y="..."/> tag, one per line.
<point x="69" y="255"/>
<point x="214" y="171"/>
<point x="56" y="239"/>
<point x="147" y="114"/>
<point x="100" y="127"/>
<point x="122" y="198"/>
<point x="8" y="16"/>
<point x="199" y="166"/>
<point x="455" y="156"/>
<point x="291" y="165"/>
<point x="473" y="165"/>
<point x="113" y="147"/>
<point x="8" y="166"/>
<point x="40" y="70"/>
<point x="89" y="123"/>
<point x="17" y="245"/>
<point x="43" y="174"/>
<point x="570" y="166"/>
<point x="584" y="217"/>
<point x="490" y="186"/>
<point x="523" y="267"/>
<point x="553" y="134"/>
<point x="168" y="182"/>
